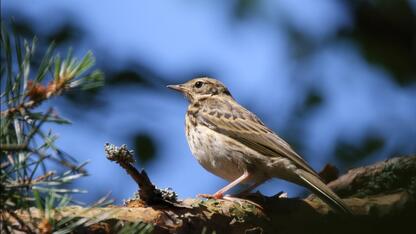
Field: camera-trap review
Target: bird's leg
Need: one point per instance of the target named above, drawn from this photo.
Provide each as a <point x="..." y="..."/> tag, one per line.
<point x="251" y="187"/>
<point x="220" y="193"/>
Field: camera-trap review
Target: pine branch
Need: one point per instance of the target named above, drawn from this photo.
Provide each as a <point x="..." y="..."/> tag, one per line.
<point x="25" y="149"/>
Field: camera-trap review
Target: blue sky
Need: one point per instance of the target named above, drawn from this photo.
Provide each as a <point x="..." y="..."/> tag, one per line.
<point x="254" y="57"/>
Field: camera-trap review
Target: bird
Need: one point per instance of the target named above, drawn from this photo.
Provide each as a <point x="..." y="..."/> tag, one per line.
<point x="233" y="143"/>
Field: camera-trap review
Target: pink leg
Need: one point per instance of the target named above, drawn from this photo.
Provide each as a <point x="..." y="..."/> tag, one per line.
<point x="251" y="187"/>
<point x="220" y="193"/>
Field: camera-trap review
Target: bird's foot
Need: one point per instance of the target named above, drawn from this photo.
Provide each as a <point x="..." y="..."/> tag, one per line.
<point x="211" y="196"/>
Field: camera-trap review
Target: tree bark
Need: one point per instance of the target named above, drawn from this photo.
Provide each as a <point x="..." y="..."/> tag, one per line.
<point x="381" y="196"/>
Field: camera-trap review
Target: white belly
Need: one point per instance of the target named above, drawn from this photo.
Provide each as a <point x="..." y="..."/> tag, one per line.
<point x="223" y="156"/>
<point x="215" y="153"/>
<point x="227" y="158"/>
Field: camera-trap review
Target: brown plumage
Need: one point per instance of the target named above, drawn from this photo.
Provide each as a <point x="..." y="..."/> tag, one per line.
<point x="233" y="143"/>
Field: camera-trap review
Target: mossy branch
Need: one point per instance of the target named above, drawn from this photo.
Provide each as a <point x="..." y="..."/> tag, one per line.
<point x="389" y="209"/>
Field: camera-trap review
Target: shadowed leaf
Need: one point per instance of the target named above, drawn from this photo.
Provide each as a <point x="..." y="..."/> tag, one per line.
<point x="351" y="153"/>
<point x="144" y="148"/>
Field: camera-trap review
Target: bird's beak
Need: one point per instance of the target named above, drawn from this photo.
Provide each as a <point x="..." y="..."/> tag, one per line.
<point x="179" y="88"/>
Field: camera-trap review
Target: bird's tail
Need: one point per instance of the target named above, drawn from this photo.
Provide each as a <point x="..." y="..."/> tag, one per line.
<point x="323" y="191"/>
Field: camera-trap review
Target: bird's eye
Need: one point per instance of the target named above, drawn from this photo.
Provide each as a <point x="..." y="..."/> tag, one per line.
<point x="198" y="84"/>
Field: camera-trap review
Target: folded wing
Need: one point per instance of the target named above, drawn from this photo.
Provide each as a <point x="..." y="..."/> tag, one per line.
<point x="243" y="126"/>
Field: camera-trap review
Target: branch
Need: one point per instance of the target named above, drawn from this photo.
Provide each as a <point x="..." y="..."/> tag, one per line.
<point x="383" y="191"/>
<point x="148" y="193"/>
<point x="20" y="108"/>
<point x="382" y="197"/>
<point x="388" y="175"/>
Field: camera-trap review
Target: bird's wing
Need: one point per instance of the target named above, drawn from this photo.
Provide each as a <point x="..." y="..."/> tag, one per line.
<point x="240" y="124"/>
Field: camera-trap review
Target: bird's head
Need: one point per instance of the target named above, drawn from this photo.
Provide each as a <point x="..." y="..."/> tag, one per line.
<point x="199" y="88"/>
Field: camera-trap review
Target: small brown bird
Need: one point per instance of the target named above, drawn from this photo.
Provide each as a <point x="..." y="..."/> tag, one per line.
<point x="233" y="143"/>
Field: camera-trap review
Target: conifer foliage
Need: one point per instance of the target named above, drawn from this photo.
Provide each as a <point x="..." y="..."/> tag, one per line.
<point x="34" y="170"/>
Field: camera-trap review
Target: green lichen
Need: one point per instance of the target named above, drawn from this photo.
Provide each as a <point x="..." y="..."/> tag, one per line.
<point x="394" y="176"/>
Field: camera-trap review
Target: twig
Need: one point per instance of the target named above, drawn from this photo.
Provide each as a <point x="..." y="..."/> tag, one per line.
<point x="25" y="145"/>
<point x="23" y="106"/>
<point x="147" y="191"/>
<point x="32" y="182"/>
<point x="24" y="226"/>
<point x="37" y="94"/>
<point x="14" y="147"/>
<point x="125" y="158"/>
<point x="36" y="128"/>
